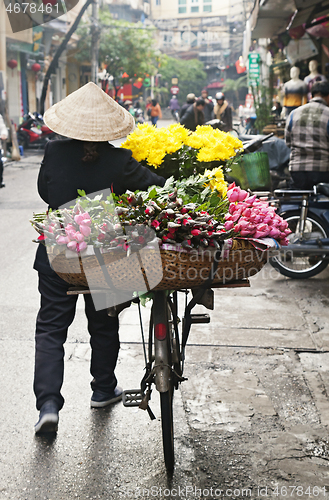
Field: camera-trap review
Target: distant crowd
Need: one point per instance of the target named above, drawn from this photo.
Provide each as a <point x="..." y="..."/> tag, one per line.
<point x="195" y="111"/>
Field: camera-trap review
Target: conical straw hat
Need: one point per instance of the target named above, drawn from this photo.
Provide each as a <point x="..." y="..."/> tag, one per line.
<point x="88" y="114"/>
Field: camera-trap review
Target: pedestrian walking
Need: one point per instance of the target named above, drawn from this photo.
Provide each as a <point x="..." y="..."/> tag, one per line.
<point x="223" y="111"/>
<point x="140" y="103"/>
<point x="193" y="116"/>
<point x="307" y="135"/>
<point x="190" y="99"/>
<point x="208" y="109"/>
<point x="155" y="112"/>
<point x="3" y="137"/>
<point x="85" y="160"/>
<point x="174" y="107"/>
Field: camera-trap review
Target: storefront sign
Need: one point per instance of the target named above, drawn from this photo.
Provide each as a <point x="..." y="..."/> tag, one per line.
<point x="174" y="89"/>
<point x="254" y="69"/>
<point x="34" y="48"/>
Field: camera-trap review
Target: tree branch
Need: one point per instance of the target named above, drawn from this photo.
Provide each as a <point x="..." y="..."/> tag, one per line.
<point x="60" y="50"/>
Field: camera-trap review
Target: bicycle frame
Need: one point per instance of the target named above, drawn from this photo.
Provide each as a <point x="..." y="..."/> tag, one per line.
<point x="165" y="367"/>
<point x="162" y="368"/>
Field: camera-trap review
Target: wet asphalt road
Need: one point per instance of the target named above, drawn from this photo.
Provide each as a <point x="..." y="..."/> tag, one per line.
<point x="254" y="413"/>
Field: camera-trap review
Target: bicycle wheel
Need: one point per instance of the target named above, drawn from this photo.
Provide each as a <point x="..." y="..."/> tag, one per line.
<point x="300" y="266"/>
<point x="166" y="398"/>
<point x="164" y="376"/>
<point x="166" y="401"/>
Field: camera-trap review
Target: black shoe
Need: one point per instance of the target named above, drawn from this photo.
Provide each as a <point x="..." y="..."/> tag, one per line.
<point x="48" y="419"/>
<point x="100" y="399"/>
<point x="2" y="185"/>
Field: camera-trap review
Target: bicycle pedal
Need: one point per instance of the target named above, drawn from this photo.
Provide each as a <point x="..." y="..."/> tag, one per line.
<point x="200" y="318"/>
<point x="133" y="397"/>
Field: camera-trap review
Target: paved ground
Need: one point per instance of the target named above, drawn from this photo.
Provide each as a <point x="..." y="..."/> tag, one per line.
<point x="250" y="421"/>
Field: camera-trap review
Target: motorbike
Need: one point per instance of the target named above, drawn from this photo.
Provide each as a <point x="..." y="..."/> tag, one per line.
<point x="216" y="124"/>
<point x="139" y="115"/>
<point x="33" y="132"/>
<point x="175" y="114"/>
<point x="307" y="214"/>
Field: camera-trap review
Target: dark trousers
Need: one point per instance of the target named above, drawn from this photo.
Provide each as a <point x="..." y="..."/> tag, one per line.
<point x="56" y="314"/>
<point x="306" y="180"/>
<point x="1" y="169"/>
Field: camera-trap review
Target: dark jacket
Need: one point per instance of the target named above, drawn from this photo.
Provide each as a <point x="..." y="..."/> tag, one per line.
<point x="208" y="111"/>
<point x="192" y="117"/>
<point x="185" y="106"/>
<point x="63" y="172"/>
<point x="224" y="113"/>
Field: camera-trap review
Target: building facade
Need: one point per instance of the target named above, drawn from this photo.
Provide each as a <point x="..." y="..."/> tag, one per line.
<point x="210" y="30"/>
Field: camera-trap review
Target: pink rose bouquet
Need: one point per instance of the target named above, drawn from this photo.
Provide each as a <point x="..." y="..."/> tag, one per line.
<point x="251" y="217"/>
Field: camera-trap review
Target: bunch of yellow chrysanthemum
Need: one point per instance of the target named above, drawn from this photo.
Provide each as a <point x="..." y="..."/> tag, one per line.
<point x="213" y="144"/>
<point x="152" y="144"/>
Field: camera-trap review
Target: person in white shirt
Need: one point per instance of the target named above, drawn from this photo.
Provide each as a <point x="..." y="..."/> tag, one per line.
<point x="3" y="137"/>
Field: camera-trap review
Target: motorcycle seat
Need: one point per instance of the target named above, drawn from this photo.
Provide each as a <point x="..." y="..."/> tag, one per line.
<point x="322" y="188"/>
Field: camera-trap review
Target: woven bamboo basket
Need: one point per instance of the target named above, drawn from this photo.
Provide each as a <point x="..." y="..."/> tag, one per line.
<point x="154" y="270"/>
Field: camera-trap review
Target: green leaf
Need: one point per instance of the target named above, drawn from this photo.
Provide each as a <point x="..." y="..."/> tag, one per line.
<point x="81" y="192"/>
<point x="152" y="194"/>
<point x="214" y="200"/>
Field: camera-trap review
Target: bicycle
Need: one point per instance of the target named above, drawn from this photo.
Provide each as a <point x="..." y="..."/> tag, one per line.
<point x="164" y="351"/>
<point x="165" y="354"/>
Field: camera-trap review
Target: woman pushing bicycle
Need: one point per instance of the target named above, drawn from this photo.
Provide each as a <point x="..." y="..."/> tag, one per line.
<point x="85" y="160"/>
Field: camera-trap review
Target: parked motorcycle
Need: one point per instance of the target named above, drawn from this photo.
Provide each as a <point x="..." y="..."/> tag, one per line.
<point x="33" y="132"/>
<point x="307" y="214"/>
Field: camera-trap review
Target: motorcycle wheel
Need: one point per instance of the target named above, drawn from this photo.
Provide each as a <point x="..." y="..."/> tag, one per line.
<point x="301" y="267"/>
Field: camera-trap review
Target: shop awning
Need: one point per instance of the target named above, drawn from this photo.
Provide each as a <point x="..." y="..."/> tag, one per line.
<point x="273" y="17"/>
<point x="307" y="12"/>
<point x="215" y="85"/>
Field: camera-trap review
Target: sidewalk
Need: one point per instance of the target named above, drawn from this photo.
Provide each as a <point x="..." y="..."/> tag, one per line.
<point x="30" y="157"/>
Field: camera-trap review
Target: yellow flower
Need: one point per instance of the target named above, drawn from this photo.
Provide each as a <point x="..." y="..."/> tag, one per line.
<point x="213" y="144"/>
<point x="216" y="181"/>
<point x="152" y="144"/>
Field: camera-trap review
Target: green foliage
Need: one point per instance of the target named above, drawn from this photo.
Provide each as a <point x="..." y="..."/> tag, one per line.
<point x="189" y="190"/>
<point x="190" y="74"/>
<point x="232" y="87"/>
<point x="183" y="163"/>
<point x="235" y="85"/>
<point x="122" y="46"/>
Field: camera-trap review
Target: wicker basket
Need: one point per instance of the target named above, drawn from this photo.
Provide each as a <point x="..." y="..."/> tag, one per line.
<point x="167" y="270"/>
